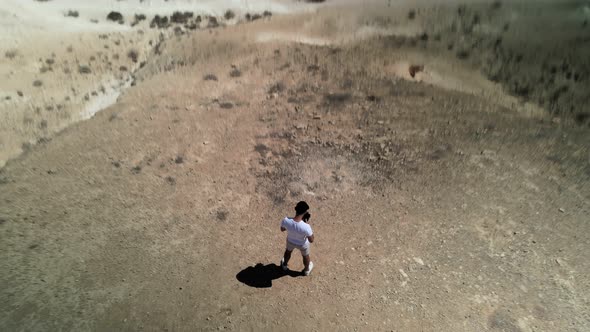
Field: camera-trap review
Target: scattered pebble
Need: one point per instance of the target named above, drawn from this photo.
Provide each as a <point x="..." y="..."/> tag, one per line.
<point x="403" y="273"/>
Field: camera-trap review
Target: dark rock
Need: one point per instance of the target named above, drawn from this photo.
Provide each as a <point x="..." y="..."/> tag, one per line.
<point x="37" y="83"/>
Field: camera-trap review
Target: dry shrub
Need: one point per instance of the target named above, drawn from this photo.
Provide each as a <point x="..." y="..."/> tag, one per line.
<point x="133" y="55"/>
<point x="11" y="54"/>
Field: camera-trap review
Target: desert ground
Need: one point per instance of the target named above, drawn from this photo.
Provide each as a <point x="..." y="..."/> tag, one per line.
<point x="444" y="149"/>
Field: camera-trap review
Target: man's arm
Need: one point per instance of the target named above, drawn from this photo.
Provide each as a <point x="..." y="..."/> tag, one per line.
<point x="283" y="229"/>
<point x="310" y="238"/>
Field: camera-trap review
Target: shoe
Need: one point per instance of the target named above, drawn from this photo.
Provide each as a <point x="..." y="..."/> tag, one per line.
<point x="307" y="272"/>
<point x="283" y="265"/>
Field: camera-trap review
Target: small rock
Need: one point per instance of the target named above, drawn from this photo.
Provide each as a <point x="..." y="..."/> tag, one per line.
<point x="414" y="69"/>
<point x="561" y="210"/>
<point x="419" y="261"/>
<point x="403" y="273"/>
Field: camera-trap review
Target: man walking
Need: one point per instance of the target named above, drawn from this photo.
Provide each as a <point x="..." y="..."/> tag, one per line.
<point x="299" y="235"/>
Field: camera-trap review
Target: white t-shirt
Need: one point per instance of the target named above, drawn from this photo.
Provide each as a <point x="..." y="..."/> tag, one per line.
<point x="297" y="231"/>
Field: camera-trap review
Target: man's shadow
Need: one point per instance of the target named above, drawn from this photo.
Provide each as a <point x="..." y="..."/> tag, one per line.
<point x="261" y="276"/>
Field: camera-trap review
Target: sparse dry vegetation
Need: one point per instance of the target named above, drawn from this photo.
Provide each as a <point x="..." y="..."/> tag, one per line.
<point x="235" y="72"/>
<point x="229" y="14"/>
<point x="133" y="54"/>
<point x="210" y="77"/>
<point x="84" y="69"/>
<point x="11" y="54"/>
<point x="72" y="13"/>
<point x="115" y="17"/>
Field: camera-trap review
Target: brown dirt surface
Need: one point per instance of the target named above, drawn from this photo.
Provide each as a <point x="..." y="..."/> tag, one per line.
<point x="434" y="207"/>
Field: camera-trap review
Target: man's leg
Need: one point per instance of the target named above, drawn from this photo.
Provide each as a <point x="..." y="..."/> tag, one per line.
<point x="306" y="260"/>
<point x="287" y="256"/>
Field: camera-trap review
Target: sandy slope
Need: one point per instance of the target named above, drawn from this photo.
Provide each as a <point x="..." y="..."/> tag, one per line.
<point x="439" y="201"/>
<point x="42" y="43"/>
